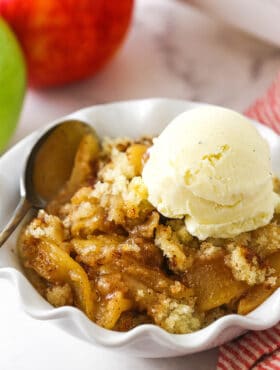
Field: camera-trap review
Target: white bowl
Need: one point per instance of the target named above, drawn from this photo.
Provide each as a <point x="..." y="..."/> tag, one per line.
<point x="133" y="118"/>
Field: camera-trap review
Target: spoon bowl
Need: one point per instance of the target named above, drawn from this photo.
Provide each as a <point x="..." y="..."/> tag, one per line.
<point x="48" y="168"/>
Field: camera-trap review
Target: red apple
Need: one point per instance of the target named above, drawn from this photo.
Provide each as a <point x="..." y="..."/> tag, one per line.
<point x="67" y="40"/>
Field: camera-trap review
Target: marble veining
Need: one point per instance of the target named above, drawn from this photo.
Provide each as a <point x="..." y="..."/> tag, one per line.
<point x="172" y="50"/>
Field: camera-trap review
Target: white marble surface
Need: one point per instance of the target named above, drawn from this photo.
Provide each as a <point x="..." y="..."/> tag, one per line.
<point x="171" y="51"/>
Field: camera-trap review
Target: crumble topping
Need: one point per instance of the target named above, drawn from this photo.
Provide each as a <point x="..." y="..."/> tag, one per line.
<point x="245" y="265"/>
<point x="109" y="252"/>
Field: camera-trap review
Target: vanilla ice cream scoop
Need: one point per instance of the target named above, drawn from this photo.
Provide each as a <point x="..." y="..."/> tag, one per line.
<point x="211" y="166"/>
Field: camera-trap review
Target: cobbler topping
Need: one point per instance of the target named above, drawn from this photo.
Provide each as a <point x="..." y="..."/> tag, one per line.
<point x="102" y="247"/>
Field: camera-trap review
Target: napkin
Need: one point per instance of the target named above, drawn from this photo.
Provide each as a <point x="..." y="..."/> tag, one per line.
<point x="267" y="109"/>
<point x="258" y="350"/>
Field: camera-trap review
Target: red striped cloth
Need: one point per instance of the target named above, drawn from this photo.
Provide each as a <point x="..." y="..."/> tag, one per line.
<point x="259" y="350"/>
<point x="267" y="109"/>
<point x="255" y="350"/>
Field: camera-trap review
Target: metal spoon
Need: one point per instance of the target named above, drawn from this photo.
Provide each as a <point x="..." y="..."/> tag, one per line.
<point x="47" y="169"/>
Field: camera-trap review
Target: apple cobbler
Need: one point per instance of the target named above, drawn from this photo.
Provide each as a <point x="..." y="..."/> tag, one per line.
<point x="102" y="247"/>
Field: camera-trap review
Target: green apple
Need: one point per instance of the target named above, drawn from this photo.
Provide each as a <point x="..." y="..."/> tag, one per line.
<point x="12" y="82"/>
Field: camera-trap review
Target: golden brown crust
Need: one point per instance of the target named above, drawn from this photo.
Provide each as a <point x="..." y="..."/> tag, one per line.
<point x="110" y="253"/>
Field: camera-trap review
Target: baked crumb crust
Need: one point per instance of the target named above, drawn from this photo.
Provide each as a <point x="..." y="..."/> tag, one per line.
<point x="110" y="253"/>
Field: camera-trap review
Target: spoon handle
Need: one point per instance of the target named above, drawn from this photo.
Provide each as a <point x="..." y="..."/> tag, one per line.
<point x="22" y="208"/>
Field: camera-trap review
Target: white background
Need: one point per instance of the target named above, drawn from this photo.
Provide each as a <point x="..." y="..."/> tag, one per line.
<point x="172" y="51"/>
